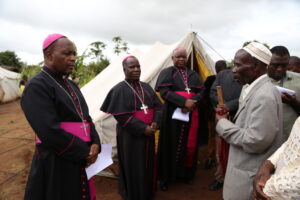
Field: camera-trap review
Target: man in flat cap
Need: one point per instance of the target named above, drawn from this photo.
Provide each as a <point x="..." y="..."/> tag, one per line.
<point x="67" y="141"/>
<point x="256" y="130"/>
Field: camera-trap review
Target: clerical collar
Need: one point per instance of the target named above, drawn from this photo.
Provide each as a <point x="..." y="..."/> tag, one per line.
<point x="180" y="67"/>
<point x="54" y="74"/>
<point x="132" y="81"/>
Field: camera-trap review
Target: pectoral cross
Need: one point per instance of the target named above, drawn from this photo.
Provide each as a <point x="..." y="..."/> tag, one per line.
<point x="84" y="126"/>
<point x="144" y="107"/>
<point x="188" y="90"/>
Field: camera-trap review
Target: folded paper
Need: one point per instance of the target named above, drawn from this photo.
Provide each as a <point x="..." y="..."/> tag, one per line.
<point x="282" y="90"/>
<point x="179" y="115"/>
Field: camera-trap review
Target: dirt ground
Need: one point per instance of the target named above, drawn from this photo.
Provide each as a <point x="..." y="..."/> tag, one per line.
<point x="17" y="146"/>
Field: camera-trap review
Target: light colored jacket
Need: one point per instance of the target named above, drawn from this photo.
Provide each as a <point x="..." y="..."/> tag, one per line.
<point x="255" y="134"/>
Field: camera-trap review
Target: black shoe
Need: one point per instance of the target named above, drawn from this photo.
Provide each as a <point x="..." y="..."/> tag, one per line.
<point x="215" y="185"/>
<point x="209" y="163"/>
<point x="163" y="186"/>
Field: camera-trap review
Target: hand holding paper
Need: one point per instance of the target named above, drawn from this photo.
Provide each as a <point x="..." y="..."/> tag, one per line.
<point x="179" y="115"/>
<point x="103" y="161"/>
<point x="285" y="90"/>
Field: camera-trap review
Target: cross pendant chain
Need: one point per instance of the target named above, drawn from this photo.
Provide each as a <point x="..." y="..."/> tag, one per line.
<point x="84" y="126"/>
<point x="144" y="107"/>
<point x="184" y="78"/>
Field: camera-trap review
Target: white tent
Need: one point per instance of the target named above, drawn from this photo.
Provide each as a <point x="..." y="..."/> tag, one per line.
<point x="9" y="85"/>
<point x="158" y="58"/>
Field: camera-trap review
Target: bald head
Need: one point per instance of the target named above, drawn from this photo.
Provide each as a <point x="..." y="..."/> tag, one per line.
<point x="179" y="57"/>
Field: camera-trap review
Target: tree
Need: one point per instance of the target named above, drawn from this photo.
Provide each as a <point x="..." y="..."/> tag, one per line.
<point x="119" y="45"/>
<point x="96" y="49"/>
<point x="248" y="42"/>
<point x="9" y="58"/>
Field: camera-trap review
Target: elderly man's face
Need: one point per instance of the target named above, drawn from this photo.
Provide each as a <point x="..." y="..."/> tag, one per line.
<point x="132" y="69"/>
<point x="278" y="66"/>
<point x="179" y="58"/>
<point x="63" y="56"/>
<point x="244" y="64"/>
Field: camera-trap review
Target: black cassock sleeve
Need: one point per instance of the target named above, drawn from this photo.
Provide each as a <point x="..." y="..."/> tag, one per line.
<point x="157" y="109"/>
<point x="40" y="111"/>
<point x="197" y="87"/>
<point x="131" y="124"/>
<point x="164" y="86"/>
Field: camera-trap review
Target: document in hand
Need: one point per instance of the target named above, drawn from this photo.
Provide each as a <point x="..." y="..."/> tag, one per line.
<point x="282" y="89"/>
<point x="103" y="161"/>
<point x="179" y="115"/>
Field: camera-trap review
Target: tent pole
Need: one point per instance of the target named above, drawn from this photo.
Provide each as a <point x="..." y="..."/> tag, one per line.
<point x="192" y="58"/>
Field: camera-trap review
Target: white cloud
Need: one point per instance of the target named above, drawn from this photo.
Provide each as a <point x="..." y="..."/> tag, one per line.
<point x="226" y="25"/>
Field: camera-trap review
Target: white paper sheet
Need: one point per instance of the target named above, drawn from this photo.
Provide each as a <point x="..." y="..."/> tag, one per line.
<point x="282" y="89"/>
<point x="103" y="161"/>
<point x="179" y="115"/>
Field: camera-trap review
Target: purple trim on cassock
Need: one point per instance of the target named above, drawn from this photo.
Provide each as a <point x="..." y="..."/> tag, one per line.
<point x="162" y="85"/>
<point x="68" y="146"/>
<point x="146" y="91"/>
<point x="135" y="103"/>
<point x="124" y="113"/>
<point x="127" y="121"/>
<point x="200" y="87"/>
<point x="168" y="94"/>
<point x="175" y="74"/>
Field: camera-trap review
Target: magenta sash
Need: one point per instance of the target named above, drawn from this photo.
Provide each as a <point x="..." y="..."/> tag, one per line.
<point x="92" y="189"/>
<point x="191" y="146"/>
<point x="77" y="129"/>
<point x="147" y="118"/>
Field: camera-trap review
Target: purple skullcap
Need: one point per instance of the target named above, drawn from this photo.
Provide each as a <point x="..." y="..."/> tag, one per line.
<point x="178" y="48"/>
<point x="127" y="58"/>
<point x="50" y="39"/>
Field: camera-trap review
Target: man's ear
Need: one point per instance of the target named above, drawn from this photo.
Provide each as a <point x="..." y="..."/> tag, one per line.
<point x="49" y="55"/>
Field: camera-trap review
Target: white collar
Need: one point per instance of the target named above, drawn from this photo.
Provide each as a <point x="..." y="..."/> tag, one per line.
<point x="248" y="88"/>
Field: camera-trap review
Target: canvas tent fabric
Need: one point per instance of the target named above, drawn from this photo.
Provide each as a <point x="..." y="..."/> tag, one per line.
<point x="152" y="62"/>
<point x="9" y="85"/>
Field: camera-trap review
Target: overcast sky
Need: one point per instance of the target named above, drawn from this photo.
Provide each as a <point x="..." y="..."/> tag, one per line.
<point x="224" y="24"/>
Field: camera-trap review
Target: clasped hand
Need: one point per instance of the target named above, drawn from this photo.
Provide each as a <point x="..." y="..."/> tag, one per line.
<point x="150" y="129"/>
<point x="93" y="154"/>
<point x="189" y="105"/>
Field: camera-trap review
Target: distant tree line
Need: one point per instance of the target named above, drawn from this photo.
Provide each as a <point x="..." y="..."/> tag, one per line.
<point x="85" y="72"/>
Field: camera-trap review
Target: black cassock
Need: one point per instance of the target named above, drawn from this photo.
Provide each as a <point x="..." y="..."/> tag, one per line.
<point x="136" y="151"/>
<point x="58" y="165"/>
<point x="175" y="160"/>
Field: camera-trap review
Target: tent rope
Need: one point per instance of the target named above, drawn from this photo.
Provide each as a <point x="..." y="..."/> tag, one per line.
<point x="210" y="46"/>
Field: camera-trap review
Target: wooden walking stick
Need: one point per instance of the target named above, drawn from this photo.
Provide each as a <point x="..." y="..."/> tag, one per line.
<point x="220" y="96"/>
<point x="223" y="146"/>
